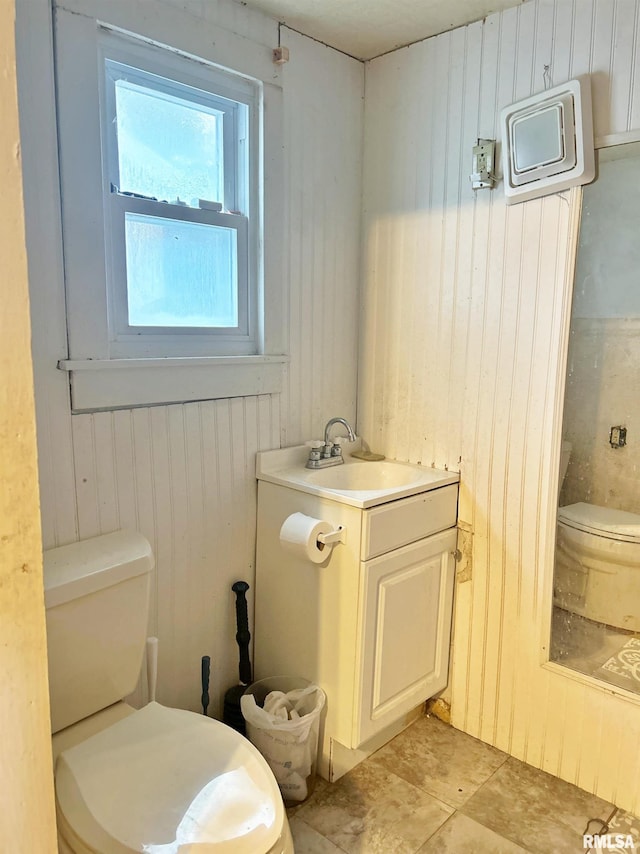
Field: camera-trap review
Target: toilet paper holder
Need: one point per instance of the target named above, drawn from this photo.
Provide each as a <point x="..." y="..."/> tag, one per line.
<point x="332" y="537"/>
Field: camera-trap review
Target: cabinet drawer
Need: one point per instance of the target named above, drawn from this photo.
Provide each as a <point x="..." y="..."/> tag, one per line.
<point x="399" y="523"/>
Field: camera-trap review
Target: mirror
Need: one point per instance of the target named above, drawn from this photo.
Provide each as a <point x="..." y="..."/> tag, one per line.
<point x="596" y="605"/>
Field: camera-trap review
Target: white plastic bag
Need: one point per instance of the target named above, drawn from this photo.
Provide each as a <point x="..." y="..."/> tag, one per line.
<point x="286" y="731"/>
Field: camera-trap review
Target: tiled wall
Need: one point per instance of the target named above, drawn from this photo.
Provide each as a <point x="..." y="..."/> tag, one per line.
<point x="604" y="370"/>
<point x="604" y="343"/>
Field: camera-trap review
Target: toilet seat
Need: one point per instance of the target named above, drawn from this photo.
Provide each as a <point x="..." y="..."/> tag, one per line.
<point x="602" y="521"/>
<point x="165" y="778"/>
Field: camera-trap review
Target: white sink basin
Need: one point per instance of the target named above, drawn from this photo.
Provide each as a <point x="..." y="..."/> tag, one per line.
<point x="362" y="476"/>
<point x="355" y="482"/>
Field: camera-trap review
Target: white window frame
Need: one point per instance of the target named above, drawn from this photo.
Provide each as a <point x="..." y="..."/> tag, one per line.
<point x="178" y="72"/>
<point x="112" y="366"/>
<point x="140" y="341"/>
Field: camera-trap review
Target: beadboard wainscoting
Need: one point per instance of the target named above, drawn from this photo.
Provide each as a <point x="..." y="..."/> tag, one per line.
<point x="465" y="324"/>
<point x="184" y="474"/>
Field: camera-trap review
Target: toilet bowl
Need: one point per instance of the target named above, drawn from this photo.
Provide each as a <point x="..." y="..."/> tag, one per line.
<point x="597" y="572"/>
<point x="155" y="780"/>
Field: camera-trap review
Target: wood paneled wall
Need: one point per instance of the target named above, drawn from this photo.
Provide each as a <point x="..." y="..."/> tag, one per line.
<point x="465" y="305"/>
<point x="324" y="106"/>
<point x="184" y="474"/>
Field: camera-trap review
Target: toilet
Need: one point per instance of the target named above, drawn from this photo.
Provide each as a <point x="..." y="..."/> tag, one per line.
<point x="597" y="572"/>
<point x="155" y="780"/>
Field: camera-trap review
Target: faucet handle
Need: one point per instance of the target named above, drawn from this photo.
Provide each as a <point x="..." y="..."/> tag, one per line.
<point x="315" y="445"/>
<point x="336" y="450"/>
<point x="342" y="440"/>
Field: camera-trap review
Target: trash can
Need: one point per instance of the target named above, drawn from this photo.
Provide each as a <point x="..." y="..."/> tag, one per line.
<point x="282" y="715"/>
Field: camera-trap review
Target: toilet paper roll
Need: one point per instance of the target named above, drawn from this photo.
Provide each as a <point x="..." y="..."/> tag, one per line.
<point x="299" y="536"/>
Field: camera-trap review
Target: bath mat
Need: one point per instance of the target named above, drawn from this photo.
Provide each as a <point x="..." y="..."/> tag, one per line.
<point x="627" y="824"/>
<point x="623" y="668"/>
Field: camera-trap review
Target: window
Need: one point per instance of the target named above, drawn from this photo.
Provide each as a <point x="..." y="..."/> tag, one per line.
<point x="171" y="198"/>
<point x="179" y="176"/>
<point x="178" y="171"/>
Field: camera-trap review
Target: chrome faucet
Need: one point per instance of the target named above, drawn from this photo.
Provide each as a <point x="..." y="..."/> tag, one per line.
<point x="351" y="436"/>
<point x="329" y="453"/>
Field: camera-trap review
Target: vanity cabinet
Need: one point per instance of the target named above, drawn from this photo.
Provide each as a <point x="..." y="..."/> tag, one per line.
<point x="403" y="642"/>
<point x="371" y="625"/>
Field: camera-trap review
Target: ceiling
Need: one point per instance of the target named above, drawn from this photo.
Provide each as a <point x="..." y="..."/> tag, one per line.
<point x="367" y="28"/>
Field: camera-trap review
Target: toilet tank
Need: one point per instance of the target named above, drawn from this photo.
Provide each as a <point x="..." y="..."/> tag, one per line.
<point x="97" y="603"/>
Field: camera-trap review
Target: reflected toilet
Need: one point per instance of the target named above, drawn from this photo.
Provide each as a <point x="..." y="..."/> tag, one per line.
<point x="597" y="572"/>
<point x="157" y="780"/>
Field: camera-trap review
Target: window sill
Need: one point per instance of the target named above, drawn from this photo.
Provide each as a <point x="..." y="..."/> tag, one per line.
<point x="126" y="383"/>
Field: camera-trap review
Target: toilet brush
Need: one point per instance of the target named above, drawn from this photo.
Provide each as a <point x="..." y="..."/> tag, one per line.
<point x="232" y="714"/>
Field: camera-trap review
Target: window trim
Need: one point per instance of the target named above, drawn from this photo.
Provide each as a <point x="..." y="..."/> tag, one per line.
<point x="77" y="39"/>
<point x="110" y="384"/>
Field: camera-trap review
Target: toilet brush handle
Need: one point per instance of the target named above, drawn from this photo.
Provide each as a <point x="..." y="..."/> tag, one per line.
<point x="243" y="635"/>
<point x="152" y="667"/>
<point x="206" y="669"/>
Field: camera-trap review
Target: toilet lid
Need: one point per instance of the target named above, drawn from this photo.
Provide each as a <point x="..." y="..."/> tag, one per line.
<point x="603" y="521"/>
<point x="163" y="780"/>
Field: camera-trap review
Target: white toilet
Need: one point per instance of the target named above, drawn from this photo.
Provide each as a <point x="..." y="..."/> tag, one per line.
<point x="597" y="572"/>
<point x="154" y="780"/>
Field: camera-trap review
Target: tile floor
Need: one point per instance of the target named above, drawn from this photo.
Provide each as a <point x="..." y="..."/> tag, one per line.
<point x="435" y="790"/>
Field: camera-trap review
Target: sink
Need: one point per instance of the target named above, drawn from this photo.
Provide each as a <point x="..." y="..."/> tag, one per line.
<point x="361" y="484"/>
<point x="362" y="476"/>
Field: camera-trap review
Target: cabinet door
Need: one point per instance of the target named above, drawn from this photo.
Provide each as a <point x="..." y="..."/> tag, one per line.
<point x="405" y="631"/>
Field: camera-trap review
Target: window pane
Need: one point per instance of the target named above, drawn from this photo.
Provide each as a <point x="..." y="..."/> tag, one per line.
<point x="168" y="147"/>
<point x="180" y="274"/>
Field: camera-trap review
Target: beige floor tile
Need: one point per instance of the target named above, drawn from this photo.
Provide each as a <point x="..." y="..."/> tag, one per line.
<point x="372" y="811"/>
<point x="320" y="784"/>
<point x="463" y="835"/>
<point x="309" y="841"/>
<point x="534" y="809"/>
<point x="440" y="760"/>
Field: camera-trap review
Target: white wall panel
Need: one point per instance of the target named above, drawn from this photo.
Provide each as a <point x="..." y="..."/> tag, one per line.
<point x="323" y="138"/>
<point x="184" y="474"/>
<point x="44" y="247"/>
<point x="463" y="345"/>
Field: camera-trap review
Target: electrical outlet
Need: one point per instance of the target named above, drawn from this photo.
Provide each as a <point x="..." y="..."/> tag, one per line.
<point x="484" y="153"/>
<point x="618" y="437"/>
